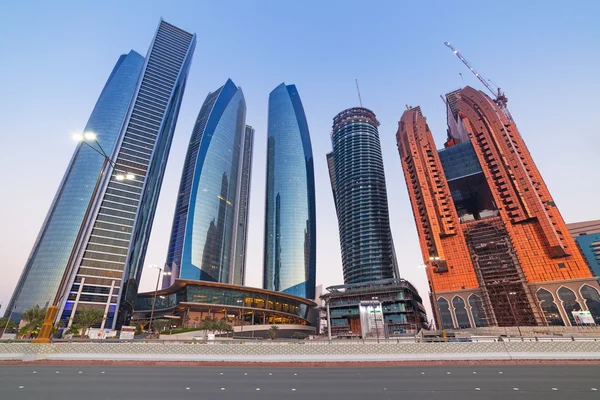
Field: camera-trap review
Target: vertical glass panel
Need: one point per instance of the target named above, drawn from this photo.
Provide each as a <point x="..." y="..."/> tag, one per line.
<point x="569" y="302"/>
<point x="462" y="318"/>
<point x="477" y="311"/>
<point x="549" y="308"/>
<point x="445" y="314"/>
<point x="592" y="300"/>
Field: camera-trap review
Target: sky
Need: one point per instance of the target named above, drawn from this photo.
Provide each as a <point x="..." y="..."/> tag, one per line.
<point x="56" y="57"/>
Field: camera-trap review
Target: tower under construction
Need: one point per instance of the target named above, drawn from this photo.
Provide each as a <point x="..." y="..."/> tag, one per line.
<point x="496" y="248"/>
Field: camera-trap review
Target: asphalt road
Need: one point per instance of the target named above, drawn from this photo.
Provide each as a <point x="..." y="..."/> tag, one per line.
<point x="574" y="382"/>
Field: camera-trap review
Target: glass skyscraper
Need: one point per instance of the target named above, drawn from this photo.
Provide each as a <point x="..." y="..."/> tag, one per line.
<point x="41" y="277"/>
<point x="359" y="190"/>
<point x="290" y="222"/>
<point x="244" y="205"/>
<point x="106" y="271"/>
<point x="202" y="243"/>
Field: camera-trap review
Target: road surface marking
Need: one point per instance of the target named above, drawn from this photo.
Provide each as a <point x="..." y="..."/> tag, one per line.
<point x="187" y="388"/>
<point x="477" y="388"/>
<point x="21" y="387"/>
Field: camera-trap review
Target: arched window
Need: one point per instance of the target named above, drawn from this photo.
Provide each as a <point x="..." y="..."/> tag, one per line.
<point x="445" y="314"/>
<point x="549" y="308"/>
<point x="462" y="317"/>
<point x="477" y="311"/>
<point x="570" y="304"/>
<point x="592" y="300"/>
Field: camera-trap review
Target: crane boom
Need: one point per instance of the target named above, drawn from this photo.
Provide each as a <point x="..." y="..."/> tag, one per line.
<point x="499" y="97"/>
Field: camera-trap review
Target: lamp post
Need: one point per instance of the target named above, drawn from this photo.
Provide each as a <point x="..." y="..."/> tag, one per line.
<point x="374" y="304"/>
<point x="512" y="310"/>
<point x="242" y="318"/>
<point x="161" y="272"/>
<point x="52" y="311"/>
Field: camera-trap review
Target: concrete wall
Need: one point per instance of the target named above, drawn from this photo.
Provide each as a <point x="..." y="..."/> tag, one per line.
<point x="318" y="351"/>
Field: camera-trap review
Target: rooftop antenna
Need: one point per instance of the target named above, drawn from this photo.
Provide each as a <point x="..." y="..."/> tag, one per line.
<point x="358" y="91"/>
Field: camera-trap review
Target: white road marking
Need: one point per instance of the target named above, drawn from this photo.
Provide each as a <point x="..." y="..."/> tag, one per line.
<point x="448" y="373"/>
<point x="245" y="373"/>
<point x="187" y="388"/>
<point x="554" y="389"/>
<point x="295" y="374"/>
<point x="594" y="389"/>
<point x="103" y="372"/>
<point x="21" y="387"/>
<point x="221" y="373"/>
<point x="35" y="372"/>
<point x="500" y="372"/>
<point x="257" y="388"/>
<point x="57" y="372"/>
<point x="422" y="373"/>
<point x="474" y="372"/>
<point x="270" y="373"/>
<point x="80" y="372"/>
<point x="222" y="388"/>
<point x="293" y="390"/>
<point x="477" y="388"/>
<point x="515" y="388"/>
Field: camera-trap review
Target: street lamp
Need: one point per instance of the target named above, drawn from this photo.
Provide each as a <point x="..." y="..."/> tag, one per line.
<point x="161" y="272"/>
<point x="241" y="319"/>
<point x="375" y="316"/>
<point x="512" y="310"/>
<point x="52" y="311"/>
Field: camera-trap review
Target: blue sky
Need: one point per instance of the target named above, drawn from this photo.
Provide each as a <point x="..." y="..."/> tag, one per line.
<point x="57" y="56"/>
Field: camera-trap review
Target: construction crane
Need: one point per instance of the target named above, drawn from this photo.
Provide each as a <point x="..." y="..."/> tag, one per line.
<point x="499" y="96"/>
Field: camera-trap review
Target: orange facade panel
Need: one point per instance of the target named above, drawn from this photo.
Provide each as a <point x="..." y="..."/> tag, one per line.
<point x="443" y="246"/>
<point x="537" y="230"/>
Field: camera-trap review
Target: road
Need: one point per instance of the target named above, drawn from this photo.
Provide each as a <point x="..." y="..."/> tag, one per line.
<point x="344" y="383"/>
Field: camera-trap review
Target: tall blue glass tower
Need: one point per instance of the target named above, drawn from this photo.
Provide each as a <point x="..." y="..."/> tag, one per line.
<point x="204" y="233"/>
<point x="106" y="270"/>
<point x="359" y="192"/>
<point x="50" y="255"/>
<point x="290" y="222"/>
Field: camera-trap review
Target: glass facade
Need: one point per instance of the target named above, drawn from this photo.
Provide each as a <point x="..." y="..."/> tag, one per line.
<point x="206" y="215"/>
<point x="50" y="255"/>
<point x="200" y="293"/>
<point x="239" y="268"/>
<point x="358" y="183"/>
<point x="109" y="265"/>
<point x="290" y="222"/>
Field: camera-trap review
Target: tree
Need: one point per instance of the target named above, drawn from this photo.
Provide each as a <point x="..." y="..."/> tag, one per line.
<point x="273" y="332"/>
<point x="34" y="318"/>
<point x="158" y="325"/>
<point x="223" y="326"/>
<point x="140" y="325"/>
<point x="73" y="330"/>
<point x="86" y="317"/>
<point x="209" y="324"/>
<point x="299" y="335"/>
<point x="8" y="325"/>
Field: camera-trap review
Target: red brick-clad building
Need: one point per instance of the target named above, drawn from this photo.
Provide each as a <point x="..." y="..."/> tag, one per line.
<point x="496" y="248"/>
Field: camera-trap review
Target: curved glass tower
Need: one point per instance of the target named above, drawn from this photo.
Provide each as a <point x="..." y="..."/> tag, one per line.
<point x="358" y="183"/>
<point x="202" y="244"/>
<point x="48" y="260"/>
<point x="290" y="223"/>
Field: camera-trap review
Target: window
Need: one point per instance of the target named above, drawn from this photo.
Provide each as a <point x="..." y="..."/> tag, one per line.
<point x="445" y="313"/>
<point x="569" y="300"/>
<point x="549" y="308"/>
<point x="477" y="311"/>
<point x="592" y="300"/>
<point x="462" y="317"/>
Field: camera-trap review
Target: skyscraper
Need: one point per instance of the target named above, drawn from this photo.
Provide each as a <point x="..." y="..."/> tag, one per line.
<point x="496" y="248"/>
<point x="41" y="277"/>
<point x="359" y="190"/>
<point x="290" y="222"/>
<point x="205" y="225"/>
<point x="106" y="269"/>
<point x="243" y="208"/>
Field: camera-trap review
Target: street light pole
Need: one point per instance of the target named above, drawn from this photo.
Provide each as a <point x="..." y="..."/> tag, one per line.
<point x="242" y="318"/>
<point x="375" y="316"/>
<point x="160" y="273"/>
<point x="512" y="310"/>
<point x="52" y="311"/>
